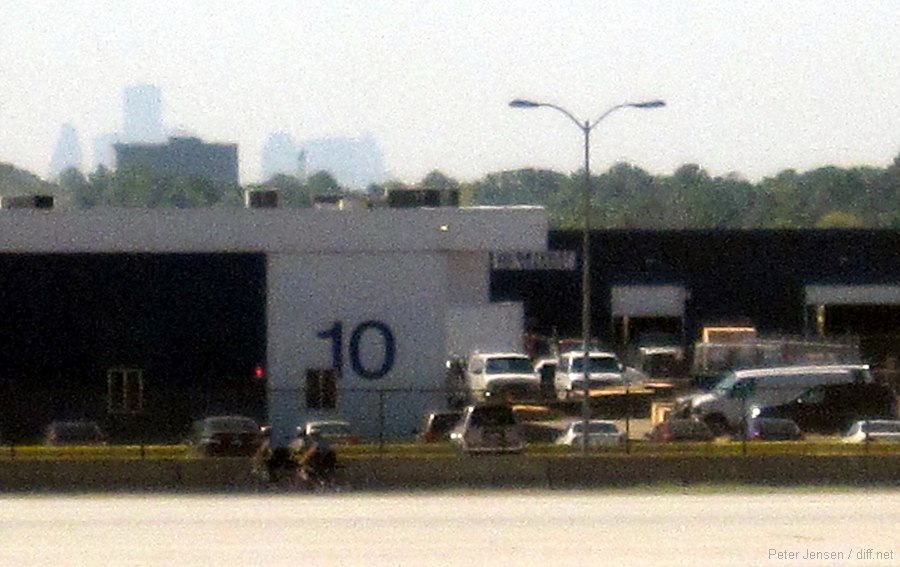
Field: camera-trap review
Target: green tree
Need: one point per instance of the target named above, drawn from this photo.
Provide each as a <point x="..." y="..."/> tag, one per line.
<point x="99" y="189"/>
<point x="321" y="183"/>
<point x="291" y="191"/>
<point x="73" y="187"/>
<point x="184" y="191"/>
<point x="840" y="219"/>
<point x="15" y="181"/>
<point x="438" y="181"/>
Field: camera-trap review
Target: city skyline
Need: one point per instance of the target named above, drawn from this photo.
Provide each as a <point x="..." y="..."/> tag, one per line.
<point x="753" y="89"/>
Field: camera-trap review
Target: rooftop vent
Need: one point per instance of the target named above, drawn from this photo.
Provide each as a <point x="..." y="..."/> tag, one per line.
<point x="341" y="201"/>
<point x="423" y="198"/>
<point x="27" y="202"/>
<point x="261" y="199"/>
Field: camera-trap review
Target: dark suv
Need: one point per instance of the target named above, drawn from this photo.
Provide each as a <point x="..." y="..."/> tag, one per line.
<point x="831" y="408"/>
<point x="771" y="429"/>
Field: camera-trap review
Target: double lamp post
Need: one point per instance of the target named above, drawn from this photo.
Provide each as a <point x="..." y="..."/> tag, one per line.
<point x="586" y="128"/>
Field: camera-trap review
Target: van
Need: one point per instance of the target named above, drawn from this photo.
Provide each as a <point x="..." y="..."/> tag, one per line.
<point x="490" y="428"/>
<point x="832" y="408"/>
<point x="742" y="392"/>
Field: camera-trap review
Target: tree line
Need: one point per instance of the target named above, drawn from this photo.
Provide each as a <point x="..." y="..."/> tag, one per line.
<point x="624" y="197"/>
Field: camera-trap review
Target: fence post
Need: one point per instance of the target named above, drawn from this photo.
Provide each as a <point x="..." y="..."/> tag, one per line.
<point x="627" y="420"/>
<point x="381" y="421"/>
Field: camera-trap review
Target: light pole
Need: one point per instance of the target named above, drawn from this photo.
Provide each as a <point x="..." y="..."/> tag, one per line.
<point x="586" y="128"/>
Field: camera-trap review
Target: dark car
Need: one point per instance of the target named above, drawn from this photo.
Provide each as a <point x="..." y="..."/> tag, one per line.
<point x="439" y="424"/>
<point x="831" y="408"/>
<point x="74" y="433"/>
<point x="772" y="429"/>
<point x="226" y="436"/>
<point x="677" y="429"/>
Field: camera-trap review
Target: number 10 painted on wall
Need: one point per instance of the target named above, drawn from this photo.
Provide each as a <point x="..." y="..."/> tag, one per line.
<point x="336" y="335"/>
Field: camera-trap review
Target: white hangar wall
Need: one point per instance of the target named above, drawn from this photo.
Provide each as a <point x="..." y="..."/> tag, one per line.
<point x="383" y="312"/>
<point x="370" y="291"/>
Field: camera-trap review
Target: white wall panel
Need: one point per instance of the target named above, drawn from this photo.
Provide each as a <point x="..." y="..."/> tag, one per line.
<point x="852" y="295"/>
<point x="648" y="300"/>
<point x="309" y="294"/>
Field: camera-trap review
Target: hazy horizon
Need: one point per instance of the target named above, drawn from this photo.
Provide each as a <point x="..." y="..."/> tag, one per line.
<point x="750" y="88"/>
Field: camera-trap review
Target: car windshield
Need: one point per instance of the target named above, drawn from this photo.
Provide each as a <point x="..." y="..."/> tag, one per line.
<point x="232" y="424"/>
<point x="331" y="428"/>
<point x="595" y="427"/>
<point x="444" y="422"/>
<point x="688" y="427"/>
<point x="492" y="416"/>
<point x="598" y="364"/>
<point x="883" y="427"/>
<point x="508" y="365"/>
<point x="76" y="430"/>
<point x="724" y="386"/>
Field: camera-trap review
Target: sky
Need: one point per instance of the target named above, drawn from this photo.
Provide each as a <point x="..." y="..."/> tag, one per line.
<point x="750" y="87"/>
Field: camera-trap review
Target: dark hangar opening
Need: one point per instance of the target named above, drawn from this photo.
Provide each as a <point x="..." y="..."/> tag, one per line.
<point x="192" y="324"/>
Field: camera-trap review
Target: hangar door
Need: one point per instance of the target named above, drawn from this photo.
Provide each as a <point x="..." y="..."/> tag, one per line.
<point x="643" y="313"/>
<point x="871" y="312"/>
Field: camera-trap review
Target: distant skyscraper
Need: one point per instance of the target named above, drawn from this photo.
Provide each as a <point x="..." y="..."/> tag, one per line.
<point x="185" y="157"/>
<point x="67" y="153"/>
<point x="143" y="115"/>
<point x="104" y="151"/>
<point x="280" y="156"/>
<point x="354" y="163"/>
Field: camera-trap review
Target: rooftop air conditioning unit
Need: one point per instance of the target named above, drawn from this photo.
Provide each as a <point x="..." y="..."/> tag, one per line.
<point x="261" y="199"/>
<point x="27" y="202"/>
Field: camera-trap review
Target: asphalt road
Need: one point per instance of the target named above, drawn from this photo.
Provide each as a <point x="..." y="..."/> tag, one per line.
<point x="690" y="527"/>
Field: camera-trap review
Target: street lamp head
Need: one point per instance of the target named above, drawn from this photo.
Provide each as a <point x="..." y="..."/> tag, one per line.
<point x="649" y="104"/>
<point x="519" y="103"/>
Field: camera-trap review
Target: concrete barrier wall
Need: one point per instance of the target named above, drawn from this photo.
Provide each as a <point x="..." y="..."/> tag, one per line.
<point x="459" y="472"/>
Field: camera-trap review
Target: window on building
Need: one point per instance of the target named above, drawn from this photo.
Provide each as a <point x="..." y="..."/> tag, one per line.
<point x="321" y="388"/>
<point x="125" y="390"/>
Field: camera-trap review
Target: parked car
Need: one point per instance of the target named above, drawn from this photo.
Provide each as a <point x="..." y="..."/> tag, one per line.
<point x="661" y="362"/>
<point x="439" y="424"/>
<point x="832" y="408"/>
<point x="335" y="431"/>
<point x="771" y="429"/>
<point x="546" y="372"/>
<point x="226" y="436"/>
<point x="680" y="430"/>
<point x="604" y="369"/>
<point x="600" y="433"/>
<point x="878" y="430"/>
<point x="489" y="428"/>
<point x="733" y="399"/>
<point x="504" y="376"/>
<point x="80" y="432"/>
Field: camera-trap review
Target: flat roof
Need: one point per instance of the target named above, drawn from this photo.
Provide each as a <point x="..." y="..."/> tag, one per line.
<point x="272" y="230"/>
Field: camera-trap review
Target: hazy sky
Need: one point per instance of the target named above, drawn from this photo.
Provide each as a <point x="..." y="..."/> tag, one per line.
<point x="752" y="87"/>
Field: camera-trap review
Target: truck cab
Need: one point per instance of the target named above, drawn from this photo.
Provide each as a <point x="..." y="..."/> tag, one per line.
<point x="507" y="376"/>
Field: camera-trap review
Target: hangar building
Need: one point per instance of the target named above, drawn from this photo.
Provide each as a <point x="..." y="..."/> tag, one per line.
<point x="147" y="319"/>
<point x="793" y="282"/>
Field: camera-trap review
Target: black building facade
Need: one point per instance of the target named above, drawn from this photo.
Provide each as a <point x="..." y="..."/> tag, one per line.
<point x="810" y="282"/>
<point x="192" y="326"/>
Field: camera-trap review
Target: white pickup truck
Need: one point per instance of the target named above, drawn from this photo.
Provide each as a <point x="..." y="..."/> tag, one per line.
<point x="508" y="376"/>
